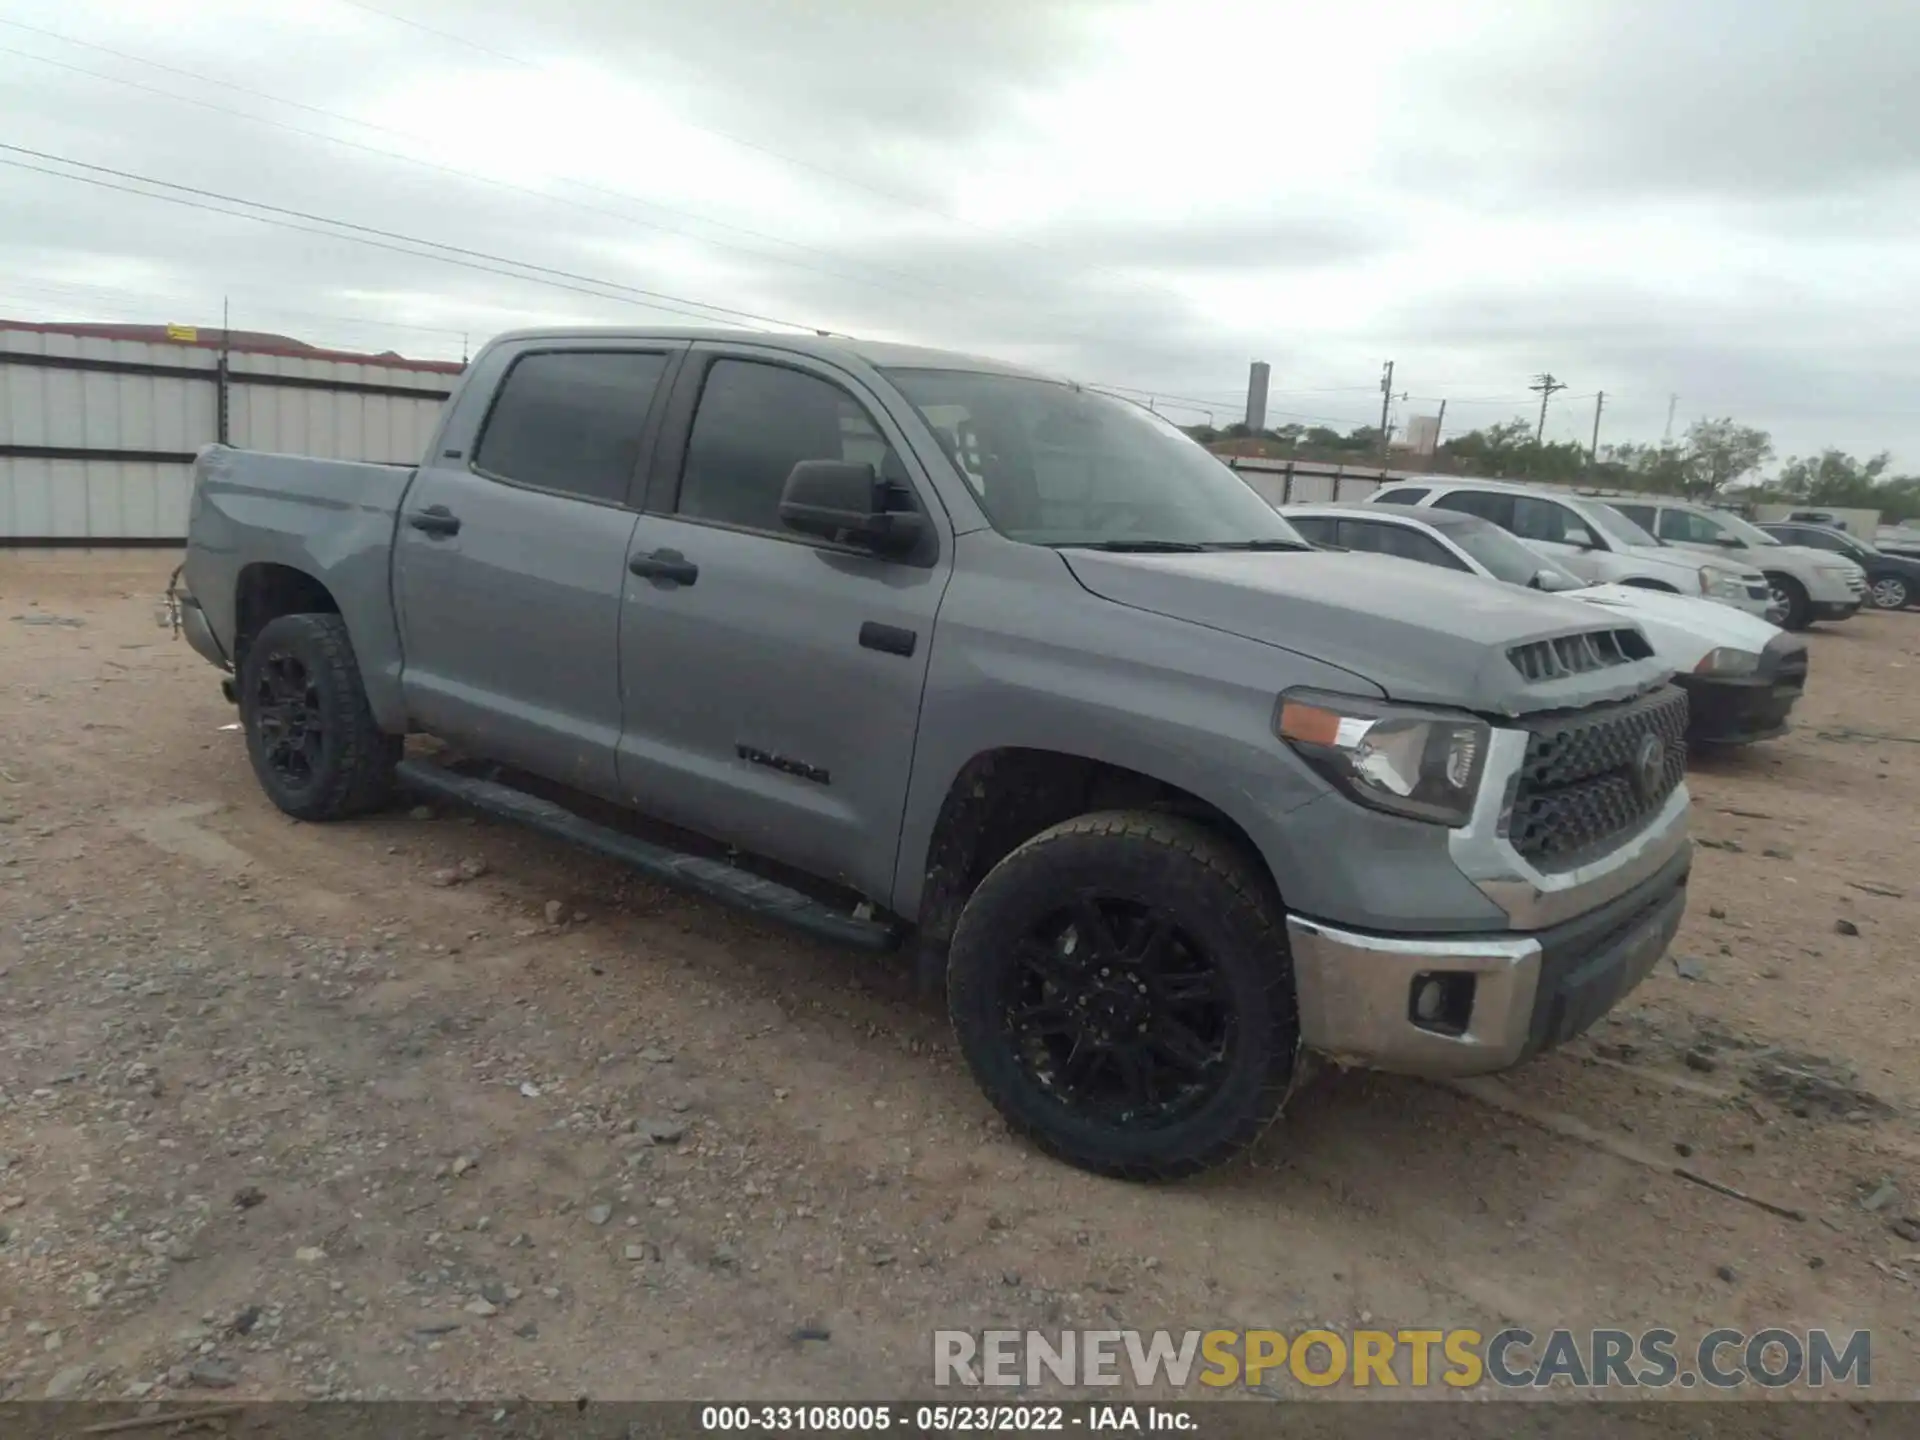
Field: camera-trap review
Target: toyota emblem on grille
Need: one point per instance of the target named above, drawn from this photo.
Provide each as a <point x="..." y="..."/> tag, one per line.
<point x="1649" y="766"/>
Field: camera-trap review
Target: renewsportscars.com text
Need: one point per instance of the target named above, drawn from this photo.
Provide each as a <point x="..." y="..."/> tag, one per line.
<point x="1722" y="1359"/>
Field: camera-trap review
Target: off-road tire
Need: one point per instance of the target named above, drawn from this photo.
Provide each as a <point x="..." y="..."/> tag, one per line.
<point x="1219" y="897"/>
<point x="354" y="771"/>
<point x="1799" y="607"/>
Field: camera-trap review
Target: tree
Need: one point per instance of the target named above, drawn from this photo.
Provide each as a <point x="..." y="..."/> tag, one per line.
<point x="1834" y="477"/>
<point x="1658" y="469"/>
<point x="1719" y="452"/>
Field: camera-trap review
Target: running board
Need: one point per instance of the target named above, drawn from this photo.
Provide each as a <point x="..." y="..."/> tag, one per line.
<point x="714" y="879"/>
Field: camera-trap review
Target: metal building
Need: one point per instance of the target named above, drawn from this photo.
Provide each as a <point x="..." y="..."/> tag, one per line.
<point x="99" y="424"/>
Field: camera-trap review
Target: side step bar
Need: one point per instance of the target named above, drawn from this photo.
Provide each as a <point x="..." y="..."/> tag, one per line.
<point x="713" y="878"/>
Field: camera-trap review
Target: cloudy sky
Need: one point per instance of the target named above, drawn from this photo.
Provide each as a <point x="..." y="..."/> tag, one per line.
<point x="1714" y="199"/>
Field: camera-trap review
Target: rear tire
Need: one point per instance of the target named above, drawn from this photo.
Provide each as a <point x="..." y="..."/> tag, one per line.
<point x="1121" y="989"/>
<point x="1790" y="603"/>
<point x="311" y="736"/>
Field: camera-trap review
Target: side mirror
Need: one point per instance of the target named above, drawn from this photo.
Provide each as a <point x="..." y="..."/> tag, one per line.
<point x="847" y="501"/>
<point x="1540" y="580"/>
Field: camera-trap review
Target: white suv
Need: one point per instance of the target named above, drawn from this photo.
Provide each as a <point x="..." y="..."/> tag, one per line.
<point x="1591" y="538"/>
<point x="1806" y="584"/>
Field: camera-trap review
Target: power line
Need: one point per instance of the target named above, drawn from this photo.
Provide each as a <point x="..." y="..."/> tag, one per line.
<point x="453" y="170"/>
<point x="672" y="304"/>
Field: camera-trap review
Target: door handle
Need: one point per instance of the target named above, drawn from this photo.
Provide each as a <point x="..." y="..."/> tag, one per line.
<point x="888" y="639"/>
<point x="668" y="565"/>
<point x="435" y="520"/>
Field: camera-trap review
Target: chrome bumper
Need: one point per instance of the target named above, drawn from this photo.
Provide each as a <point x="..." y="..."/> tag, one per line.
<point x="1523" y="993"/>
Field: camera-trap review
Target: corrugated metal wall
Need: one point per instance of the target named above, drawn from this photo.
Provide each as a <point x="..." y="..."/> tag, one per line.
<point x="137" y="430"/>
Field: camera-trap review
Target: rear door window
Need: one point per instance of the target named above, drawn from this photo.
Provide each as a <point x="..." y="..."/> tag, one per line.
<point x="1404" y="495"/>
<point x="571" y="421"/>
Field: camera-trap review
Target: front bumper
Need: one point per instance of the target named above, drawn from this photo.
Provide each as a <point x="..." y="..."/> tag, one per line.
<point x="1510" y="996"/>
<point x="1836" y="610"/>
<point x="1756" y="600"/>
<point x="1738" y="710"/>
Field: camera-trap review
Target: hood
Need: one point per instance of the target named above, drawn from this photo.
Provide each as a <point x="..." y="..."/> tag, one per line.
<point x="1692" y="557"/>
<point x="1423" y="635"/>
<point x="1682" y="627"/>
<point x="1805" y="555"/>
<point x="1754" y="556"/>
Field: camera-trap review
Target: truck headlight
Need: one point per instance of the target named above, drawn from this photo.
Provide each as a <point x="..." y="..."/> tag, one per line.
<point x="1723" y="584"/>
<point x="1423" y="764"/>
<point x="1727" y="661"/>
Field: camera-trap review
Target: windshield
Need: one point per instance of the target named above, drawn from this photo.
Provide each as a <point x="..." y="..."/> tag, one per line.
<point x="1617" y="527"/>
<point x="1053" y="464"/>
<point x="1748" y="534"/>
<point x="1508" y="559"/>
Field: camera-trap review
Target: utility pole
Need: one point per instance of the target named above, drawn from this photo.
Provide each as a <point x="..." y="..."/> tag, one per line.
<point x="1439" y="424"/>
<point x="1593" y="450"/>
<point x="223" y="405"/>
<point x="1548" y="388"/>
<point x="1667" y="434"/>
<point x="1386" y="405"/>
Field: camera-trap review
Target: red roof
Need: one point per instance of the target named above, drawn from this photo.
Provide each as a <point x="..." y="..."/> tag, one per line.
<point x="249" y="342"/>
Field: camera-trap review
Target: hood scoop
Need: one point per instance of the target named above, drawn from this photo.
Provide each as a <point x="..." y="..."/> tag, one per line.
<point x="1564" y="655"/>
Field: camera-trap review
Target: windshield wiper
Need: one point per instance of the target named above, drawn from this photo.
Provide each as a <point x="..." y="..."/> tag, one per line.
<point x="1259" y="545"/>
<point x="1151" y="547"/>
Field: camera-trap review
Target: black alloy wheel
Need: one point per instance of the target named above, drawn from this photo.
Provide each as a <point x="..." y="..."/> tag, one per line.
<point x="292" y="723"/>
<point x="1118" y="1013"/>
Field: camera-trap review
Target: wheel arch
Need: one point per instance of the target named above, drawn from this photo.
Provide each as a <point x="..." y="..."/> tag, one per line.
<point x="1003" y="797"/>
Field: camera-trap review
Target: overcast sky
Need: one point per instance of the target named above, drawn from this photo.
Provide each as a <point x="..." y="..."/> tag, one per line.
<point x="1708" y="198"/>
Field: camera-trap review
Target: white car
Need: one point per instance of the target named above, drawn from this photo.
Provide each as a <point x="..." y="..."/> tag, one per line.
<point x="1591" y="538"/>
<point x="1742" y="675"/>
<point x="1806" y="584"/>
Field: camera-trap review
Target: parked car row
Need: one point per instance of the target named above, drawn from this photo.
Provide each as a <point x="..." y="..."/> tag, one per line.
<point x="1742" y="675"/>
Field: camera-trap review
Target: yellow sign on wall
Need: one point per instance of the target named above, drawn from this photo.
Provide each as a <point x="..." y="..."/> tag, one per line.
<point x="183" y="332"/>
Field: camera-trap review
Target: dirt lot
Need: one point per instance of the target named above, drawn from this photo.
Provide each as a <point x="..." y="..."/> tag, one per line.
<point x="279" y="1115"/>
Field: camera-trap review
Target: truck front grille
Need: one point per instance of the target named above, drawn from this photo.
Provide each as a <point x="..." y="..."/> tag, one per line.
<point x="1583" y="785"/>
<point x="1577" y="654"/>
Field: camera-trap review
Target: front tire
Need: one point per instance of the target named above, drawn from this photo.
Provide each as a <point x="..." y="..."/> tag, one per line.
<point x="310" y="734"/>
<point x="1890" y="592"/>
<point x="1789" y="608"/>
<point x="1121" y="989"/>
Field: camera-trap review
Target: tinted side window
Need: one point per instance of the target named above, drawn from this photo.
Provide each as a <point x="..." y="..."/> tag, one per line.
<point x="1400" y="540"/>
<point x="754" y="424"/>
<point x="1487" y="504"/>
<point x="1537" y="519"/>
<point x="571" y="421"/>
<point x="1819" y="539"/>
<point x="1641" y="515"/>
<point x="1412" y="495"/>
<point x="1684" y="525"/>
<point x="1314" y="529"/>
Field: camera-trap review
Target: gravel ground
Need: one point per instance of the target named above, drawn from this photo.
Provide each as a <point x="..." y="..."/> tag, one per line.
<point x="424" y="1106"/>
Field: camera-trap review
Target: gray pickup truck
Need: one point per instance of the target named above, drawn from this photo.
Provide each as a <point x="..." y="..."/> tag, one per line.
<point x="927" y="651"/>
